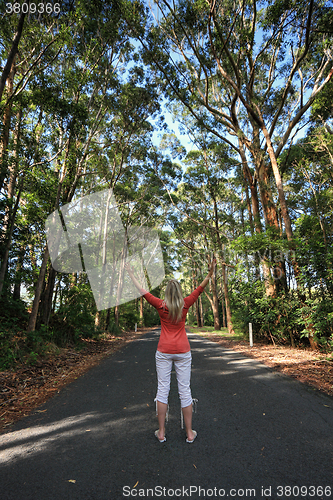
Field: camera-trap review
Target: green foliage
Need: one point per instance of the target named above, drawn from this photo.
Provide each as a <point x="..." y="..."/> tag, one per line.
<point x="129" y="315"/>
<point x="13" y="312"/>
<point x="10" y="351"/>
<point x="17" y="346"/>
<point x="151" y="318"/>
<point x="274" y="319"/>
<point x="282" y="319"/>
<point x="209" y="318"/>
<point x="114" y="329"/>
<point x="315" y="256"/>
<point x="75" y="318"/>
<point x="322" y="108"/>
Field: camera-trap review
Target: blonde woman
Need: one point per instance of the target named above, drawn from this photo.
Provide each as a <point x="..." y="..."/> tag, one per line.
<point x="173" y="347"/>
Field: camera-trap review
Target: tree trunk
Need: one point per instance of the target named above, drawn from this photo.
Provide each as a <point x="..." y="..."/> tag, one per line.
<point x="279" y="185"/>
<point x="18" y="278"/>
<point x="268" y="205"/>
<point x="195" y="285"/>
<point x="116" y="315"/>
<point x="277" y="282"/>
<point x="12" y="54"/>
<point x="223" y="312"/>
<point x="12" y="170"/>
<point x="226" y="298"/>
<point x="11" y="191"/>
<point x="47" y="297"/>
<point x="98" y="319"/>
<point x="10" y="212"/>
<point x="9" y="239"/>
<point x="249" y="209"/>
<point x="6" y="128"/>
<point x="202" y="319"/>
<point x="252" y="183"/>
<point x="268" y="281"/>
<point x="141" y="310"/>
<point x="197" y="315"/>
<point x="121" y="280"/>
<point x="38" y="292"/>
<point x="215" y="304"/>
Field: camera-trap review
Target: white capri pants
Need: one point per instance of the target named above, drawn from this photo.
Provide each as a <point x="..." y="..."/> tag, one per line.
<point x="183" y="371"/>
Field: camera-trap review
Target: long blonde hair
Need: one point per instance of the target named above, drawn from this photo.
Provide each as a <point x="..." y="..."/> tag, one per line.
<point x="174" y="300"/>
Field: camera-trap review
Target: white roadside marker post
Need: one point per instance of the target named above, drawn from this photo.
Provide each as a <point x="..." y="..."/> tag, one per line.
<point x="250" y="335"/>
<point x="136" y="327"/>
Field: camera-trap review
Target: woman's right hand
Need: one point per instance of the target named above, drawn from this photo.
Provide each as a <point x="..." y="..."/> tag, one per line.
<point x="128" y="267"/>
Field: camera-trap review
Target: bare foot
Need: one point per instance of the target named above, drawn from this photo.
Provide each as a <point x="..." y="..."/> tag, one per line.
<point x="160" y="434"/>
<point x="191" y="435"/>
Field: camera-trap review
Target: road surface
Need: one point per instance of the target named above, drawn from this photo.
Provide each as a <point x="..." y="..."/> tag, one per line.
<point x="261" y="435"/>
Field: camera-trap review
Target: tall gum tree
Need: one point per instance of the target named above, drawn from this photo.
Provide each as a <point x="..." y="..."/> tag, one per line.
<point x="203" y="202"/>
<point x="240" y="69"/>
<point x="232" y="63"/>
<point x="70" y="75"/>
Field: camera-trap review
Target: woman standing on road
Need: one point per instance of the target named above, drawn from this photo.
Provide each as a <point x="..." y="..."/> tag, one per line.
<point x="174" y="347"/>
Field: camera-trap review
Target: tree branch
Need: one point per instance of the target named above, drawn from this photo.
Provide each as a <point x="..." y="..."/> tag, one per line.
<point x="11" y="55"/>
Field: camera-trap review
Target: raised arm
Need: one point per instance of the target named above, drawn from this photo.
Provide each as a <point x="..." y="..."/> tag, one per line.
<point x="154" y="301"/>
<point x="209" y="275"/>
<point x="133" y="278"/>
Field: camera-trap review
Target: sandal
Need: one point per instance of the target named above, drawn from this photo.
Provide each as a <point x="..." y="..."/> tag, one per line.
<point x="195" y="435"/>
<point x="160" y="440"/>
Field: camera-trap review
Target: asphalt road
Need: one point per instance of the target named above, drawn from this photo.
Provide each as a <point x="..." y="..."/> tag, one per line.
<point x="261" y="435"/>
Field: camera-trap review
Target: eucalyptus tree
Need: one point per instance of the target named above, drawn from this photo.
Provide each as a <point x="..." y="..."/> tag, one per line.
<point x="190" y="224"/>
<point x="31" y="39"/>
<point x="205" y="216"/>
<point x="307" y="170"/>
<point x="75" y="102"/>
<point x="111" y="150"/>
<point x="85" y="108"/>
<point x="30" y="43"/>
<point x="248" y="73"/>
